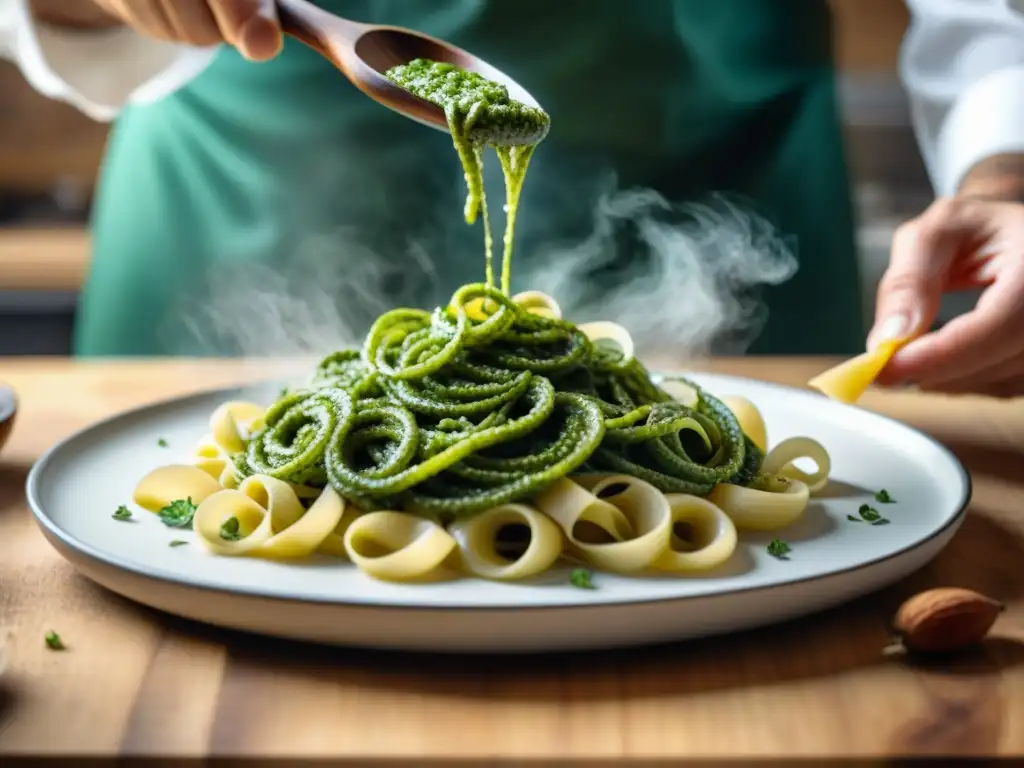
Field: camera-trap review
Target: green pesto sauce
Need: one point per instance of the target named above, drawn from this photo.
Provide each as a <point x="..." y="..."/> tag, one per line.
<point x="480" y="112"/>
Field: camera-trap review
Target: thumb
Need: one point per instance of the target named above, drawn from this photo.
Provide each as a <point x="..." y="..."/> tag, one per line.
<point x="910" y="292"/>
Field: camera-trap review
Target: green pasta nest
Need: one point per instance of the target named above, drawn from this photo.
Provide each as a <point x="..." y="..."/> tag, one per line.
<point x="484" y="402"/>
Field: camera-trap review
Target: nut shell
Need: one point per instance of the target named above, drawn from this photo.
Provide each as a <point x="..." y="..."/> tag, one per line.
<point x="945" y="619"/>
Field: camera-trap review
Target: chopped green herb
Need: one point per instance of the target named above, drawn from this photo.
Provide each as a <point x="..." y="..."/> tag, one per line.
<point x="883" y="497"/>
<point x="178" y="543"/>
<point x="779" y="549"/>
<point x="122" y="513"/>
<point x="53" y="641"/>
<point x="162" y="443"/>
<point x="854" y="519"/>
<point x="869" y="513"/>
<point x="580" y="577"/>
<point x="178" y="514"/>
<point x="229" y="529"/>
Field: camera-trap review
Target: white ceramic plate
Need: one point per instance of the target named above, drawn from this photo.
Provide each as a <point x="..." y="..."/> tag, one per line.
<point x="76" y="486"/>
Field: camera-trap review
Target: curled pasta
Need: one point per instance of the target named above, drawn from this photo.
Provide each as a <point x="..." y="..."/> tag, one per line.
<point x="779" y="461"/>
<point x="625" y="525"/>
<point x="171" y="483"/>
<point x="271" y="521"/>
<point x="233" y="422"/>
<point x="779" y="503"/>
<point x="750" y="419"/>
<point x="701" y="538"/>
<point x="533" y="544"/>
<point x="395" y="546"/>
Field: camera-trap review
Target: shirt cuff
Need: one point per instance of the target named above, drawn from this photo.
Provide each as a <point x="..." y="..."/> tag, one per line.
<point x="99" y="71"/>
<point x="987" y="119"/>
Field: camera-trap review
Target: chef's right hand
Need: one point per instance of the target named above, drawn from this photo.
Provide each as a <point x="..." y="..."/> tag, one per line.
<point x="249" y="25"/>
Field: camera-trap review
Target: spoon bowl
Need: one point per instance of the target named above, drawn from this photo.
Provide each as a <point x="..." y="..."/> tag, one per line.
<point x="365" y="52"/>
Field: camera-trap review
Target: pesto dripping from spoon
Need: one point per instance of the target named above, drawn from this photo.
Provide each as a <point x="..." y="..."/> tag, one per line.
<point x="441" y="86"/>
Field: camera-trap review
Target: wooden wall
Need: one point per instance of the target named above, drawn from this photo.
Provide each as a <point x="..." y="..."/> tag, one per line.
<point x="43" y="142"/>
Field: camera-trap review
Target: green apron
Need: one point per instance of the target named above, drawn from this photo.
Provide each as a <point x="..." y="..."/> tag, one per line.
<point x="273" y="209"/>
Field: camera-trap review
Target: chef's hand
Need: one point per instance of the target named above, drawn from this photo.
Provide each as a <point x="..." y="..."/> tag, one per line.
<point x="974" y="240"/>
<point x="249" y="25"/>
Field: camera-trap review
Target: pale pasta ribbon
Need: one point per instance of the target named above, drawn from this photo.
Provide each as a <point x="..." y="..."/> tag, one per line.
<point x="779" y="503"/>
<point x="173" y="482"/>
<point x="395" y="546"/>
<point x="702" y="535"/>
<point x="590" y="523"/>
<point x="271" y="520"/>
<point x="210" y="457"/>
<point x="481" y="550"/>
<point x="233" y="422"/>
<point x="779" y="461"/>
<point x="538" y="303"/>
<point x="681" y="392"/>
<point x="750" y="419"/>
<point x="644" y="533"/>
<point x="603" y="330"/>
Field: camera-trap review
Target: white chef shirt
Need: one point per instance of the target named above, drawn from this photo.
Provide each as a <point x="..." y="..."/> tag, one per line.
<point x="962" y="64"/>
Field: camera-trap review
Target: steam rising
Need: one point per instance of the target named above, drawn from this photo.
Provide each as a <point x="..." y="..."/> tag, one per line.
<point x="693" y="274"/>
<point x="683" y="279"/>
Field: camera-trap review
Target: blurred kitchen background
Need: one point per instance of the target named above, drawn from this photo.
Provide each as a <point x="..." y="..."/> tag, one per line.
<point x="49" y="155"/>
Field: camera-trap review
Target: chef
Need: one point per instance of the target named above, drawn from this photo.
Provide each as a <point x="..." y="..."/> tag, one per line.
<point x="232" y="145"/>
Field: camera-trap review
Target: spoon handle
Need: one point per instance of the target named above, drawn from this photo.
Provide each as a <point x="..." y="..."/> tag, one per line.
<point x="324" y="32"/>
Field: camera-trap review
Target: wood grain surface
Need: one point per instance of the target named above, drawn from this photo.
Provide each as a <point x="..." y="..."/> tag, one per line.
<point x="135" y="682"/>
<point x="44" y="258"/>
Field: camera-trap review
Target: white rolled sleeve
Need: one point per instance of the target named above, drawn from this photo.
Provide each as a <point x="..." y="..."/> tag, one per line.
<point x="962" y="64"/>
<point x="96" y="71"/>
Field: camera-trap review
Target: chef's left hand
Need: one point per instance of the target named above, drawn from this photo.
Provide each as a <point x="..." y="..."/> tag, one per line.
<point x="959" y="243"/>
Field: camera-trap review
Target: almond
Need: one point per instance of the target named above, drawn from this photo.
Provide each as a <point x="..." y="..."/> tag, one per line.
<point x="945" y="619"/>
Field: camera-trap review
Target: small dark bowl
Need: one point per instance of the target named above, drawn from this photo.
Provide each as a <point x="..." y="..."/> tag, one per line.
<point x="8" y="408"/>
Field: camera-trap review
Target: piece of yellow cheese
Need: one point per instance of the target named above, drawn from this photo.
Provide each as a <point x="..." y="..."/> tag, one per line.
<point x="849" y="380"/>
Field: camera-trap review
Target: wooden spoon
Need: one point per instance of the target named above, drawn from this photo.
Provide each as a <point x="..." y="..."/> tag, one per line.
<point x="364" y="52"/>
<point x="8" y="407"/>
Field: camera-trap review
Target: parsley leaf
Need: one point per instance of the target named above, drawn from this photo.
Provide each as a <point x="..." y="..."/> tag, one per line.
<point x="883" y="497"/>
<point x="229" y="529"/>
<point x="162" y="443"/>
<point x="580" y="577"/>
<point x="122" y="513"/>
<point x="869" y="513"/>
<point x="854" y="519"/>
<point x="178" y="514"/>
<point x="53" y="641"/>
<point x="178" y="543"/>
<point x="779" y="549"/>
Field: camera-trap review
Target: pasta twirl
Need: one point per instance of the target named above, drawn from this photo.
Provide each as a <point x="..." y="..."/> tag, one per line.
<point x="530" y="443"/>
<point x="490" y="436"/>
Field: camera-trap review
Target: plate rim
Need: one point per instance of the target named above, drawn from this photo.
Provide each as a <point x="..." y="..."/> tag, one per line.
<point x="50" y="528"/>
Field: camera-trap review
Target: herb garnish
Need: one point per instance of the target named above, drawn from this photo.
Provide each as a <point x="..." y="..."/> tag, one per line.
<point x="580" y="577"/>
<point x="883" y="497"/>
<point x="178" y="514"/>
<point x="229" y="529"/>
<point x="122" y="513"/>
<point x="177" y="543"/>
<point x="162" y="443"/>
<point x="53" y="641"/>
<point x="779" y="549"/>
<point x="870" y="515"/>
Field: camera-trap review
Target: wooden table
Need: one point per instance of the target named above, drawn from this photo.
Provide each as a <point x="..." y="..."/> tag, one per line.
<point x="136" y="682"/>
